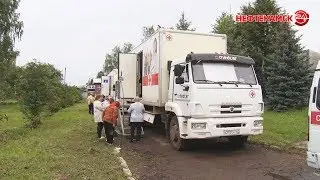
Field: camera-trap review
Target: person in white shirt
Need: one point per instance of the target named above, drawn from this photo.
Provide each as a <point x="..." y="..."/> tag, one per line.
<point x="136" y="111"/>
<point x="98" y="111"/>
<point x="90" y="100"/>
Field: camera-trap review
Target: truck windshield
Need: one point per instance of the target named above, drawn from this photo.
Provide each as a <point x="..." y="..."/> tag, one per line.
<point x="220" y="73"/>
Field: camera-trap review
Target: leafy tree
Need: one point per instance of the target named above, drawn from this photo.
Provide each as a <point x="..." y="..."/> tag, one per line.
<point x="42" y="93"/>
<point x="111" y="60"/>
<point x="35" y="89"/>
<point x="127" y="47"/>
<point x="10" y="30"/>
<point x="100" y="74"/>
<point x="184" y="24"/>
<point x="82" y="88"/>
<point x="226" y="25"/>
<point x="147" y="32"/>
<point x="287" y="71"/>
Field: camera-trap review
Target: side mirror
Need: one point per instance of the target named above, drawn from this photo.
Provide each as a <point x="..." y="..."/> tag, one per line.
<point x="178" y="70"/>
<point x="179" y="80"/>
<point x="169" y="65"/>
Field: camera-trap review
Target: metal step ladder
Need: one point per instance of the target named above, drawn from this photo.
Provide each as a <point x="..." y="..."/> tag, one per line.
<point x="125" y="130"/>
<point x="123" y="127"/>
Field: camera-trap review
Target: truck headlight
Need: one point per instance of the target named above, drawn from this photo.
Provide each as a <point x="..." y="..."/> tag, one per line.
<point x="198" y="125"/>
<point x="257" y="123"/>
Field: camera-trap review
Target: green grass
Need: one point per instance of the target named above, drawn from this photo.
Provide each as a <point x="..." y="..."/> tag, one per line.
<point x="283" y="129"/>
<point x="63" y="147"/>
<point x="7" y="102"/>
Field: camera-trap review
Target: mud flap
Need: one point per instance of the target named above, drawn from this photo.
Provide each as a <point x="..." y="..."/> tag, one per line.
<point x="148" y="117"/>
<point x="164" y="120"/>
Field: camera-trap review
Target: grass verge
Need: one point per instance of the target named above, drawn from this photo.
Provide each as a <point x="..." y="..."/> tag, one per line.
<point x="283" y="130"/>
<point x="63" y="147"/>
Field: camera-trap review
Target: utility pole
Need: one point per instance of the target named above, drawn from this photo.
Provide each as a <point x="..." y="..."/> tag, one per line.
<point x="229" y="8"/>
<point x="65" y="75"/>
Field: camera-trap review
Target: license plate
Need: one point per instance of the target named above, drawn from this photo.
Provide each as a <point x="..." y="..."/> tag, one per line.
<point x="231" y="132"/>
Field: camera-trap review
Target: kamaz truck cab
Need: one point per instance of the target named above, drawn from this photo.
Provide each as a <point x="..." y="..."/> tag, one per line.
<point x="213" y="95"/>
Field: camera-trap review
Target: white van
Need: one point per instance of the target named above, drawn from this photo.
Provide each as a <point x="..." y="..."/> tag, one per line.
<point x="313" y="154"/>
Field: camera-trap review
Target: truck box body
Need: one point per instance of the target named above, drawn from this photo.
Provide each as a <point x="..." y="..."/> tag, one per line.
<point x="155" y="52"/>
<point x="107" y="83"/>
<point x="97" y="83"/>
<point x="104" y="85"/>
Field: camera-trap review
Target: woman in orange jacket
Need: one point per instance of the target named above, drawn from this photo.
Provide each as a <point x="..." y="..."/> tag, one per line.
<point x="110" y="117"/>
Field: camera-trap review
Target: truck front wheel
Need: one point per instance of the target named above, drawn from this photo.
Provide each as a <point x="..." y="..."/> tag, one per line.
<point x="175" y="139"/>
<point x="238" y="141"/>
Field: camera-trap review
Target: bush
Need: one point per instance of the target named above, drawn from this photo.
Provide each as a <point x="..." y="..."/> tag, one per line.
<point x="42" y="93"/>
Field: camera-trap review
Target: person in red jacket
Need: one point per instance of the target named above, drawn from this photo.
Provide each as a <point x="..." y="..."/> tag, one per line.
<point x="110" y="117"/>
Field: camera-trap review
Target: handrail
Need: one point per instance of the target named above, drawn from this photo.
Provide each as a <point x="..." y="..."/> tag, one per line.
<point x="122" y="110"/>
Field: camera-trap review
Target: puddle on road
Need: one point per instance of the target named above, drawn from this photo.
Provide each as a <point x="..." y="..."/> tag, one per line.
<point x="278" y="177"/>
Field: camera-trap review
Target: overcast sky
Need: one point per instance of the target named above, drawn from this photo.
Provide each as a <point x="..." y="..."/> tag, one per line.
<point x="77" y="34"/>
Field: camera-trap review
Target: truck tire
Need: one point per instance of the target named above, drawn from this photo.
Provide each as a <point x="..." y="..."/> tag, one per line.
<point x="174" y="134"/>
<point x="238" y="141"/>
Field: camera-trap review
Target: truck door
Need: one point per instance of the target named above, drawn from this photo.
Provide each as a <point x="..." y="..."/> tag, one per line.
<point x="313" y="154"/>
<point x="181" y="91"/>
<point x="127" y="72"/>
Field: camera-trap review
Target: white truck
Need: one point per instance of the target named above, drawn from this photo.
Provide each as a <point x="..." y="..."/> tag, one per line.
<point x="188" y="82"/>
<point x="313" y="153"/>
<point x="108" y="83"/>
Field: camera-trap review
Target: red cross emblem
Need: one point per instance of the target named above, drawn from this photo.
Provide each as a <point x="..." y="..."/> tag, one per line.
<point x="169" y="37"/>
<point x="252" y="94"/>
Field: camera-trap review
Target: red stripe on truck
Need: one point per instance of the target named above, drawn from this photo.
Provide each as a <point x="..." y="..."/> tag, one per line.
<point x="154" y="79"/>
<point x="315" y="118"/>
<point x="145" y="81"/>
<point x="150" y="80"/>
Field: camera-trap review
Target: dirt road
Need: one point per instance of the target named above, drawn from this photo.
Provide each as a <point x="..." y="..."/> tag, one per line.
<point x="154" y="158"/>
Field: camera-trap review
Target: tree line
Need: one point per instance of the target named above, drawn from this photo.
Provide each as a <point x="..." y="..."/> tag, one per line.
<point x="37" y="87"/>
<point x="281" y="62"/>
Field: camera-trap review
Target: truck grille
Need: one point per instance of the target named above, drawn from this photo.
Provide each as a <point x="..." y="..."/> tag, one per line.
<point x="231" y="125"/>
<point x="230" y="109"/>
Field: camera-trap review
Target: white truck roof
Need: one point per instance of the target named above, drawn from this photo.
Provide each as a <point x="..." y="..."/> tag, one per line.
<point x="96" y="80"/>
<point x="164" y="31"/>
<point x="163" y="46"/>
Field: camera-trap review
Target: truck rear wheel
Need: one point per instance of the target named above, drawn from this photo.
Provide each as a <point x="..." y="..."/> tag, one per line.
<point x="176" y="141"/>
<point x="238" y="141"/>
